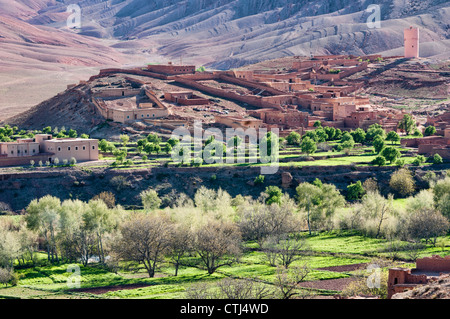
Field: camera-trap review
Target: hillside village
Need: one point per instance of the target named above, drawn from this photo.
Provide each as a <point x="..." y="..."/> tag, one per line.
<point x="300" y="97"/>
<point x="317" y="89"/>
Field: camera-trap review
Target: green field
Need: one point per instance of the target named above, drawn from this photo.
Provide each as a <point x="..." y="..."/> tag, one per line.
<point x="327" y="249"/>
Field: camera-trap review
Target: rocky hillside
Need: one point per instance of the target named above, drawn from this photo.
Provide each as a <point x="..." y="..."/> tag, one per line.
<point x="231" y="33"/>
<point x="438" y="289"/>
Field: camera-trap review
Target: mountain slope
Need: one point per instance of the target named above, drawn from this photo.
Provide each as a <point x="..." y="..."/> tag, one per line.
<point x="230" y="33"/>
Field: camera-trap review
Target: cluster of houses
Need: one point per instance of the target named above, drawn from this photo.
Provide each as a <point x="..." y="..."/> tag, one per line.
<point x="45" y="148"/>
<point x="313" y="89"/>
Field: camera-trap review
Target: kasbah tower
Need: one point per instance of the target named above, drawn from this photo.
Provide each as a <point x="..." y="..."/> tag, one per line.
<point x="411" y="42"/>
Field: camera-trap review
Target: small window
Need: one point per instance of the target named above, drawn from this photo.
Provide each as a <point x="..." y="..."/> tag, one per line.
<point x="34" y="151"/>
<point x="68" y="148"/>
<point x="76" y="148"/>
<point x="93" y="147"/>
<point x="59" y="149"/>
<point x="84" y="148"/>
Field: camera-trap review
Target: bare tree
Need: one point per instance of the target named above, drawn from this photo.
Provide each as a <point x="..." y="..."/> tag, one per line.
<point x="259" y="221"/>
<point x="244" y="289"/>
<point x="283" y="249"/>
<point x="218" y="244"/>
<point x="427" y="224"/>
<point x="144" y="239"/>
<point x="180" y="243"/>
<point x="287" y="280"/>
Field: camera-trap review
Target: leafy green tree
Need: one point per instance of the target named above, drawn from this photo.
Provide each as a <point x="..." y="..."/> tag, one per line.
<point x="337" y="134"/>
<point x="390" y="153"/>
<point x="378" y="144"/>
<point x="153" y="138"/>
<point x="120" y="155"/>
<point x="419" y="160"/>
<point x="235" y="141"/>
<point x="437" y="159"/>
<point x="359" y="135"/>
<point x="274" y="195"/>
<point x="317" y="124"/>
<point x="355" y="191"/>
<point x="417" y="133"/>
<point x="373" y="131"/>
<point x="407" y="124"/>
<point x="379" y="161"/>
<point x="331" y="132"/>
<point x="125" y="139"/>
<point x="168" y="148"/>
<point x="312" y="135"/>
<point x="173" y="141"/>
<point x="271" y="142"/>
<point x="308" y="145"/>
<point x="430" y="130"/>
<point x="321" y="135"/>
<point x="47" y="130"/>
<point x="392" y="136"/>
<point x="293" y="138"/>
<point x="150" y="199"/>
<point x="43" y="216"/>
<point x="72" y="133"/>
<point x="259" y="179"/>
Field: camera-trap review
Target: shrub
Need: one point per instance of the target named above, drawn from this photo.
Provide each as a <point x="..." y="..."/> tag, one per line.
<point x="437" y="159"/>
<point x="430" y="130"/>
<point x="355" y="191"/>
<point x="379" y="161"/>
<point x="419" y="160"/>
<point x="402" y="182"/>
<point x="150" y="199"/>
<point x="107" y="197"/>
<point x="119" y="182"/>
<point x="259" y="180"/>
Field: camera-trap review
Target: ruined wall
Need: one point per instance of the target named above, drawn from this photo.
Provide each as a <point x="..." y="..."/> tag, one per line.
<point x="434" y="264"/>
<point x="116" y="92"/>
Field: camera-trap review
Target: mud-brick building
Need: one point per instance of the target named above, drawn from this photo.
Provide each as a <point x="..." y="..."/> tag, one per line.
<point x="185" y="98"/>
<point x="171" y="69"/>
<point x="427" y="269"/>
<point x="43" y="147"/>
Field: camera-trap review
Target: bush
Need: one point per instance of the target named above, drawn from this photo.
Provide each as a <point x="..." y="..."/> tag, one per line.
<point x="7" y="276"/>
<point x="402" y="182"/>
<point x="430" y="130"/>
<point x="107" y="197"/>
<point x="379" y="161"/>
<point x="119" y="182"/>
<point x="150" y="199"/>
<point x="355" y="191"/>
<point x="437" y="159"/>
<point x="419" y="160"/>
<point x="259" y="180"/>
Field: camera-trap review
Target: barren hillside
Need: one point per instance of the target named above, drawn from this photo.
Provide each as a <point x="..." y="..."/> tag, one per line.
<point x="232" y="33"/>
<point x="438" y="289"/>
